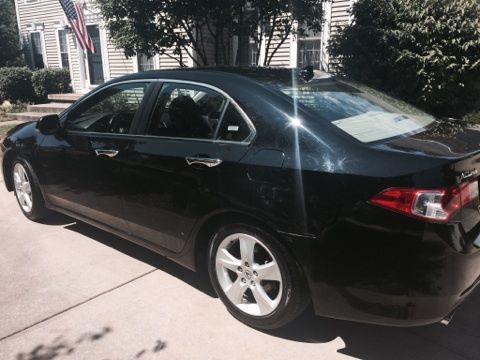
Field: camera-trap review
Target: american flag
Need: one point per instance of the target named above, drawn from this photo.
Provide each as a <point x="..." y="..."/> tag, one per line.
<point x="76" y="18"/>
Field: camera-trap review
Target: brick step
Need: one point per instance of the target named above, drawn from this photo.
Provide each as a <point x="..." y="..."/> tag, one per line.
<point x="51" y="108"/>
<point x="26" y="116"/>
<point x="64" y="98"/>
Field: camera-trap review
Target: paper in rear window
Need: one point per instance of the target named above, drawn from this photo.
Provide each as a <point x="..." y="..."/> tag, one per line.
<point x="376" y="125"/>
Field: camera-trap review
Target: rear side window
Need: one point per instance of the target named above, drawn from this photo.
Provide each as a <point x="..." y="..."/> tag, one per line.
<point x="185" y="111"/>
<point x="196" y="112"/>
<point x="233" y="126"/>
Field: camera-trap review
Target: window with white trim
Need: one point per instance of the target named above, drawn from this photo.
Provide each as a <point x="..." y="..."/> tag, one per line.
<point x="145" y="63"/>
<point x="309" y="50"/>
<point x="37" y="50"/>
<point x="63" y="48"/>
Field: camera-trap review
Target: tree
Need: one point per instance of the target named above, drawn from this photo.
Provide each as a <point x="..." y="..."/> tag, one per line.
<point x="10" y="52"/>
<point x="206" y="28"/>
<point x="427" y="52"/>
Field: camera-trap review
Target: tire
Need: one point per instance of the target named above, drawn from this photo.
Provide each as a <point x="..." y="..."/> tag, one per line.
<point x="26" y="187"/>
<point x="266" y="290"/>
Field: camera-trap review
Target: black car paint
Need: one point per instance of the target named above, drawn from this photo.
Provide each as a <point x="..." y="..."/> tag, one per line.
<point x="311" y="189"/>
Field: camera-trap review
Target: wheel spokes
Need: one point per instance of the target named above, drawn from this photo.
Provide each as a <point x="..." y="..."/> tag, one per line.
<point x="28" y="200"/>
<point x="227" y="260"/>
<point x="16" y="179"/>
<point x="23" y="188"/>
<point x="235" y="291"/>
<point x="265" y="304"/>
<point x="269" y="271"/>
<point x="247" y="245"/>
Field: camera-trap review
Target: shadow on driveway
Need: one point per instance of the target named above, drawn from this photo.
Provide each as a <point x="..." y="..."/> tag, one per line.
<point x="62" y="347"/>
<point x="459" y="340"/>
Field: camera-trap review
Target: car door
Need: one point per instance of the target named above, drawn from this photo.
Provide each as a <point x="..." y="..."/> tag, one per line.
<point x="178" y="163"/>
<point x="82" y="164"/>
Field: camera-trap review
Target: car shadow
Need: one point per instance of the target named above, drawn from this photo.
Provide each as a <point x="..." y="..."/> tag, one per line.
<point x="459" y="340"/>
<point x="197" y="280"/>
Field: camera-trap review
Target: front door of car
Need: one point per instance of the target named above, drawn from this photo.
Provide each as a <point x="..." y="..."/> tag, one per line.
<point x="194" y="134"/>
<point x="82" y="165"/>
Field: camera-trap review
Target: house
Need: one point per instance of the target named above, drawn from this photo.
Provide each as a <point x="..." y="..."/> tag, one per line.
<point x="48" y="42"/>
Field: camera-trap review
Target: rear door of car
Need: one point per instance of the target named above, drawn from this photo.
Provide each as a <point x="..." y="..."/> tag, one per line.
<point x="82" y="165"/>
<point x="175" y="166"/>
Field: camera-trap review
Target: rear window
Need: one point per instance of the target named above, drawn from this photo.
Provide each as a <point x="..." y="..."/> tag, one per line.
<point x="366" y="114"/>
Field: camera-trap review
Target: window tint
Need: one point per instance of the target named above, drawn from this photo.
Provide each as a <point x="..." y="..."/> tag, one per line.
<point x="110" y="111"/>
<point x="233" y="127"/>
<point x="186" y="111"/>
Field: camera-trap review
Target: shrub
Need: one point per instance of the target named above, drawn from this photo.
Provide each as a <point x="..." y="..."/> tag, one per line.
<point x="16" y="84"/>
<point x="426" y="52"/>
<point x="51" y="81"/>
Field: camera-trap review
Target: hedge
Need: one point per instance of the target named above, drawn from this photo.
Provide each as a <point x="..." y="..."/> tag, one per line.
<point x="426" y="52"/>
<point x="22" y="84"/>
<point x="51" y="81"/>
<point x="16" y="84"/>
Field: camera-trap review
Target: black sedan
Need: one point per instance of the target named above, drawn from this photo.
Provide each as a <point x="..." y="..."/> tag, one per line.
<point x="289" y="187"/>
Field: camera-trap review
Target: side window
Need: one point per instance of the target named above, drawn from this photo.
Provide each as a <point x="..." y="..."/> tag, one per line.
<point x="185" y="111"/>
<point x="110" y="111"/>
<point x="233" y="127"/>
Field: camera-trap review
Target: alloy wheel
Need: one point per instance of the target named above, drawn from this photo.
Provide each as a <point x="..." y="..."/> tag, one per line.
<point x="23" y="188"/>
<point x="249" y="274"/>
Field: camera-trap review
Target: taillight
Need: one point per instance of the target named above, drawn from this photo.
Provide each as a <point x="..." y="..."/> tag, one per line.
<point x="435" y="204"/>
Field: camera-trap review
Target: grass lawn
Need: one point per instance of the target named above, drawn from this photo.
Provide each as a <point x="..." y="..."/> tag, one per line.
<point x="14" y="108"/>
<point x="4" y="129"/>
<point x="3" y="115"/>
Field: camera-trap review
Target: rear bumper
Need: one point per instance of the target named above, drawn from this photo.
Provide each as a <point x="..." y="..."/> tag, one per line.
<point x="380" y="309"/>
<point x="410" y="275"/>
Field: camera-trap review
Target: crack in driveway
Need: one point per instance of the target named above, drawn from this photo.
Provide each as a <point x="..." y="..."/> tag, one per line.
<point x="78" y="304"/>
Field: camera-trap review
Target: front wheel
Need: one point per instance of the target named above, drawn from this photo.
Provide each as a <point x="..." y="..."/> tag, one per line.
<point x="27" y="191"/>
<point x="255" y="277"/>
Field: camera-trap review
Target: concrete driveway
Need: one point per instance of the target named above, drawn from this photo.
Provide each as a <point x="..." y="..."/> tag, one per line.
<point x="70" y="291"/>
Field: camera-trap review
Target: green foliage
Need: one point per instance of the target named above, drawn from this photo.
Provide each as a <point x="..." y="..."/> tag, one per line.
<point x="10" y="52"/>
<point x="207" y="26"/>
<point x="51" y="81"/>
<point x="16" y="84"/>
<point x="426" y="52"/>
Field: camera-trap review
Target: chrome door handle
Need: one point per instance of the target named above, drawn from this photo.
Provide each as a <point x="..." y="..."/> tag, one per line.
<point x="203" y="161"/>
<point x="109" y="153"/>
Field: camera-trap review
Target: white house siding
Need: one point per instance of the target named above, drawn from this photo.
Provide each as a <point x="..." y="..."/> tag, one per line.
<point x="75" y="68"/>
<point x="340" y="17"/>
<point x="43" y="16"/>
<point x="282" y="56"/>
<point x="119" y="64"/>
<point x="166" y="61"/>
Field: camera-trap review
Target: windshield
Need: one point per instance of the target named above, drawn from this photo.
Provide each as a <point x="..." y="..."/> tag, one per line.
<point x="364" y="113"/>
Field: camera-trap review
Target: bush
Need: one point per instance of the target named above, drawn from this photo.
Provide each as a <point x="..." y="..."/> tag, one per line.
<point x="16" y="84"/>
<point x="426" y="52"/>
<point x="51" y="81"/>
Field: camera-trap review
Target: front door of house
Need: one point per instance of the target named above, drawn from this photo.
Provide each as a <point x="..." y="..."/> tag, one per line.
<point x="95" y="60"/>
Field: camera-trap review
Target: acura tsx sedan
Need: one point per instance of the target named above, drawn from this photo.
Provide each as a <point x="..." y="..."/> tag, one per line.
<point x="291" y="187"/>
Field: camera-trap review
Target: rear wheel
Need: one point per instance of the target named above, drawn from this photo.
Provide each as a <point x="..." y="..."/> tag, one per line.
<point x="256" y="278"/>
<point x="27" y="191"/>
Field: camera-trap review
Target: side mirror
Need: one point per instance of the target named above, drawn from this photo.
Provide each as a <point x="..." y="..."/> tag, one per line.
<point x="49" y="124"/>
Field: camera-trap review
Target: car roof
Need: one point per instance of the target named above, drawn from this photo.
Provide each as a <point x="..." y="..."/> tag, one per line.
<point x="222" y="76"/>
